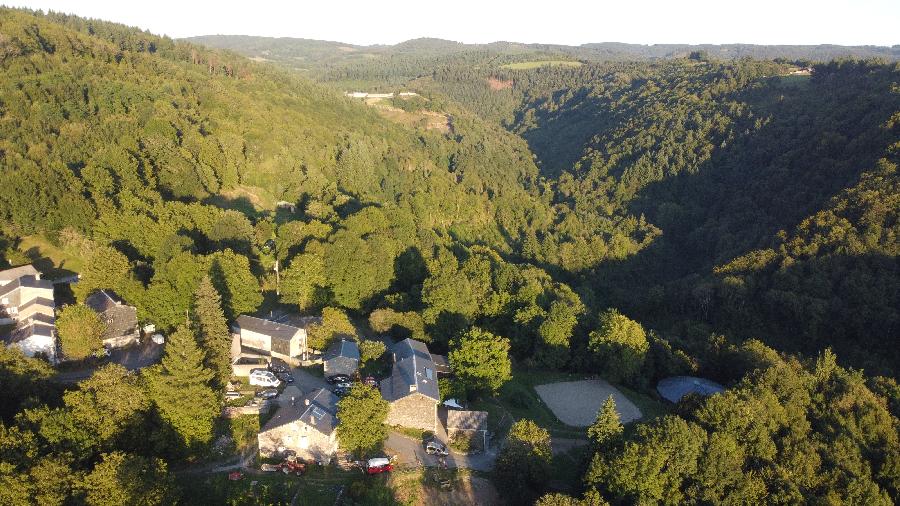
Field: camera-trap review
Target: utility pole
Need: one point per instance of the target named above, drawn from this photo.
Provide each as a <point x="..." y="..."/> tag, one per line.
<point x="277" y="277"/>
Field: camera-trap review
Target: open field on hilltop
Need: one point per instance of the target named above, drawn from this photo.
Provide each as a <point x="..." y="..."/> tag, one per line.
<point x="528" y="65"/>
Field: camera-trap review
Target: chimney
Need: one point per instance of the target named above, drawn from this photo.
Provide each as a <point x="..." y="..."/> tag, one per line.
<point x="306" y="401"/>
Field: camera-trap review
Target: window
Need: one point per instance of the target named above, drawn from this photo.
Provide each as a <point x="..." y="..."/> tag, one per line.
<point x="429" y="373"/>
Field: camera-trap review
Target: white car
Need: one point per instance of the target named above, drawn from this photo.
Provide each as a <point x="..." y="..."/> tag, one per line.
<point x="263" y="378"/>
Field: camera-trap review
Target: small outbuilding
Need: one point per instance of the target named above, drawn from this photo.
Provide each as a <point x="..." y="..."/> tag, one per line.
<point x="674" y="388"/>
<point x="472" y="424"/>
<point x="342" y="357"/>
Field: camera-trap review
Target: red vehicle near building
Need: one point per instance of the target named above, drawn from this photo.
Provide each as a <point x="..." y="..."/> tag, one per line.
<point x="378" y="466"/>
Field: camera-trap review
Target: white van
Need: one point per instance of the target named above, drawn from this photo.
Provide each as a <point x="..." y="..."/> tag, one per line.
<point x="263" y="378"/>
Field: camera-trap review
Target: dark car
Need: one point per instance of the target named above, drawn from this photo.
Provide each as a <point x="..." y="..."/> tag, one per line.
<point x="269" y="393"/>
<point x="277" y="365"/>
<point x="342" y="391"/>
<point x="285" y="377"/>
<point x="338" y="378"/>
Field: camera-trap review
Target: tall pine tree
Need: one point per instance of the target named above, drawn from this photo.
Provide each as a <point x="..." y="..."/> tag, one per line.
<point x="209" y="320"/>
<point x="180" y="388"/>
<point x="607" y="429"/>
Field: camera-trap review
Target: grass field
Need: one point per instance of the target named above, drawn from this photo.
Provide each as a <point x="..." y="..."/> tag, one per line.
<point x="528" y="65"/>
<point x="319" y="486"/>
<point x="54" y="261"/>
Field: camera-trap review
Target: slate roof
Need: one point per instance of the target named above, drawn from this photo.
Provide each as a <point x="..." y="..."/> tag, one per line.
<point x="466" y="420"/>
<point x="27" y="281"/>
<point x="414" y="372"/>
<point x="280" y="331"/>
<point x="17" y="272"/>
<point x="441" y="363"/>
<point x="343" y="348"/>
<point x="676" y="387"/>
<point x="120" y="318"/>
<point x="321" y="414"/>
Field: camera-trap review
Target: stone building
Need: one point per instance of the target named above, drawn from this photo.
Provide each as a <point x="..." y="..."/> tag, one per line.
<point x="258" y="336"/>
<point x="120" y="318"/>
<point x="305" y="426"/>
<point x="412" y="387"/>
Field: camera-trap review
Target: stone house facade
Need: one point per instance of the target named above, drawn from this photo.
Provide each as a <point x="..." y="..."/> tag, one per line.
<point x="412" y="388"/>
<point x="120" y="318"/>
<point x="306" y="427"/>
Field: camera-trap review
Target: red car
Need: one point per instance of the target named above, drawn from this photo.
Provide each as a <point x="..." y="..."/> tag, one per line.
<point x="379" y="469"/>
<point x="378" y="465"/>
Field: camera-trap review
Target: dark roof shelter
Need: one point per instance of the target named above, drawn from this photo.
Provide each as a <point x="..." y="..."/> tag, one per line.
<point x="674" y="388"/>
<point x="342" y="357"/>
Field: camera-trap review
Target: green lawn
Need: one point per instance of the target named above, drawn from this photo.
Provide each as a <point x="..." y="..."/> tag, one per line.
<point x="54" y="261"/>
<point x="319" y="486"/>
<point x="528" y="65"/>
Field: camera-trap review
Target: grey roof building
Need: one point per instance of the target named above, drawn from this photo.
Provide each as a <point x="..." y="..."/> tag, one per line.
<point x="342" y="357"/>
<point x="120" y="318"/>
<point x="412" y="387"/>
<point x="27" y="303"/>
<point x="306" y="427"/>
<point x="269" y="337"/>
<point x="674" y="388"/>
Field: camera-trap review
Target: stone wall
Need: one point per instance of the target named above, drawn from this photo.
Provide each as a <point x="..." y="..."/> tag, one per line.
<point x="415" y="410"/>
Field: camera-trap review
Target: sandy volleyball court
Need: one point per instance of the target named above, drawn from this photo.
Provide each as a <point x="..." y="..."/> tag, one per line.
<point x="576" y="403"/>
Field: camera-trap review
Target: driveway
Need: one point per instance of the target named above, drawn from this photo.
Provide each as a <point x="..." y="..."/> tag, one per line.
<point x="411" y="453"/>
<point x="307" y="382"/>
<point x="132" y="358"/>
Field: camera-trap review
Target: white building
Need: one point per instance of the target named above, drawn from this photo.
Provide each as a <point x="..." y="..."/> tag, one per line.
<point x="26" y="301"/>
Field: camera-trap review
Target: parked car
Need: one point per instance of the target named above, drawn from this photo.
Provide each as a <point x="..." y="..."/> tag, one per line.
<point x="338" y="378"/>
<point x="277" y="365"/>
<point x="378" y="465"/>
<point x="371" y="381"/>
<point x="269" y="393"/>
<point x="342" y="391"/>
<point x="268" y="468"/>
<point x="344" y="384"/>
<point x="435" y="447"/>
<point x="263" y="378"/>
<point x="233" y="395"/>
<point x="285" y="377"/>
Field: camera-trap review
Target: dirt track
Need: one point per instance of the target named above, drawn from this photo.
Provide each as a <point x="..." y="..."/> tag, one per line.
<point x="576" y="403"/>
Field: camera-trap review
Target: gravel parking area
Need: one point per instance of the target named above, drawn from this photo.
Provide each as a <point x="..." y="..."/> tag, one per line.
<point x="576" y="403"/>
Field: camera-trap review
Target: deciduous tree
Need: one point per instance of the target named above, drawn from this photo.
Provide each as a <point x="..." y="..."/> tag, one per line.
<point x="80" y="331"/>
<point x="362" y="415"/>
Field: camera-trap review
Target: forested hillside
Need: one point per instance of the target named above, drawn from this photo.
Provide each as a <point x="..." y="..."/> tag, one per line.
<point x="632" y="213"/>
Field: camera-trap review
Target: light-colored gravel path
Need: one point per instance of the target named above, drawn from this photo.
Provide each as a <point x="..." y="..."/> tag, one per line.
<point x="576" y="403"/>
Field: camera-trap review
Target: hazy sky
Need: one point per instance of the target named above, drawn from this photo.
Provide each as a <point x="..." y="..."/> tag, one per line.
<point x="848" y="22"/>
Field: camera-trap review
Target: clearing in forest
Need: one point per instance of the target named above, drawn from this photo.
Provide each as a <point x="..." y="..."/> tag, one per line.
<point x="576" y="403"/>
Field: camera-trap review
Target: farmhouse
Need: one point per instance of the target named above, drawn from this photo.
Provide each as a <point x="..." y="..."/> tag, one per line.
<point x="269" y="338"/>
<point x="412" y="387"/>
<point x="305" y="426"/>
<point x="120" y="318"/>
<point x="26" y="302"/>
<point x="342" y="357"/>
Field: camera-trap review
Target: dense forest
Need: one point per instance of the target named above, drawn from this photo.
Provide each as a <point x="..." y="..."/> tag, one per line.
<point x="743" y="208"/>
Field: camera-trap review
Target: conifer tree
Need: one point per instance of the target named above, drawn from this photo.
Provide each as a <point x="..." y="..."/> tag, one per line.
<point x="180" y="388"/>
<point x="607" y="428"/>
<point x="212" y="329"/>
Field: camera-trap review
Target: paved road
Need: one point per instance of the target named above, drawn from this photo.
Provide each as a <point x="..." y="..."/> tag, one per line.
<point x="410" y="452"/>
<point x="307" y="382"/>
<point x="132" y="358"/>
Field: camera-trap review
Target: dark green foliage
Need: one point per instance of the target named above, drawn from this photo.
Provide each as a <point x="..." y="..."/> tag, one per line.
<point x="787" y="433"/>
<point x="480" y="361"/>
<point x="524" y="463"/>
<point x="362" y="415"/>
<point x="180" y="389"/>
<point x="212" y="329"/>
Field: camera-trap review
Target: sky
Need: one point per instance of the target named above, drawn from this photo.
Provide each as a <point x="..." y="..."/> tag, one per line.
<point x="572" y="22"/>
